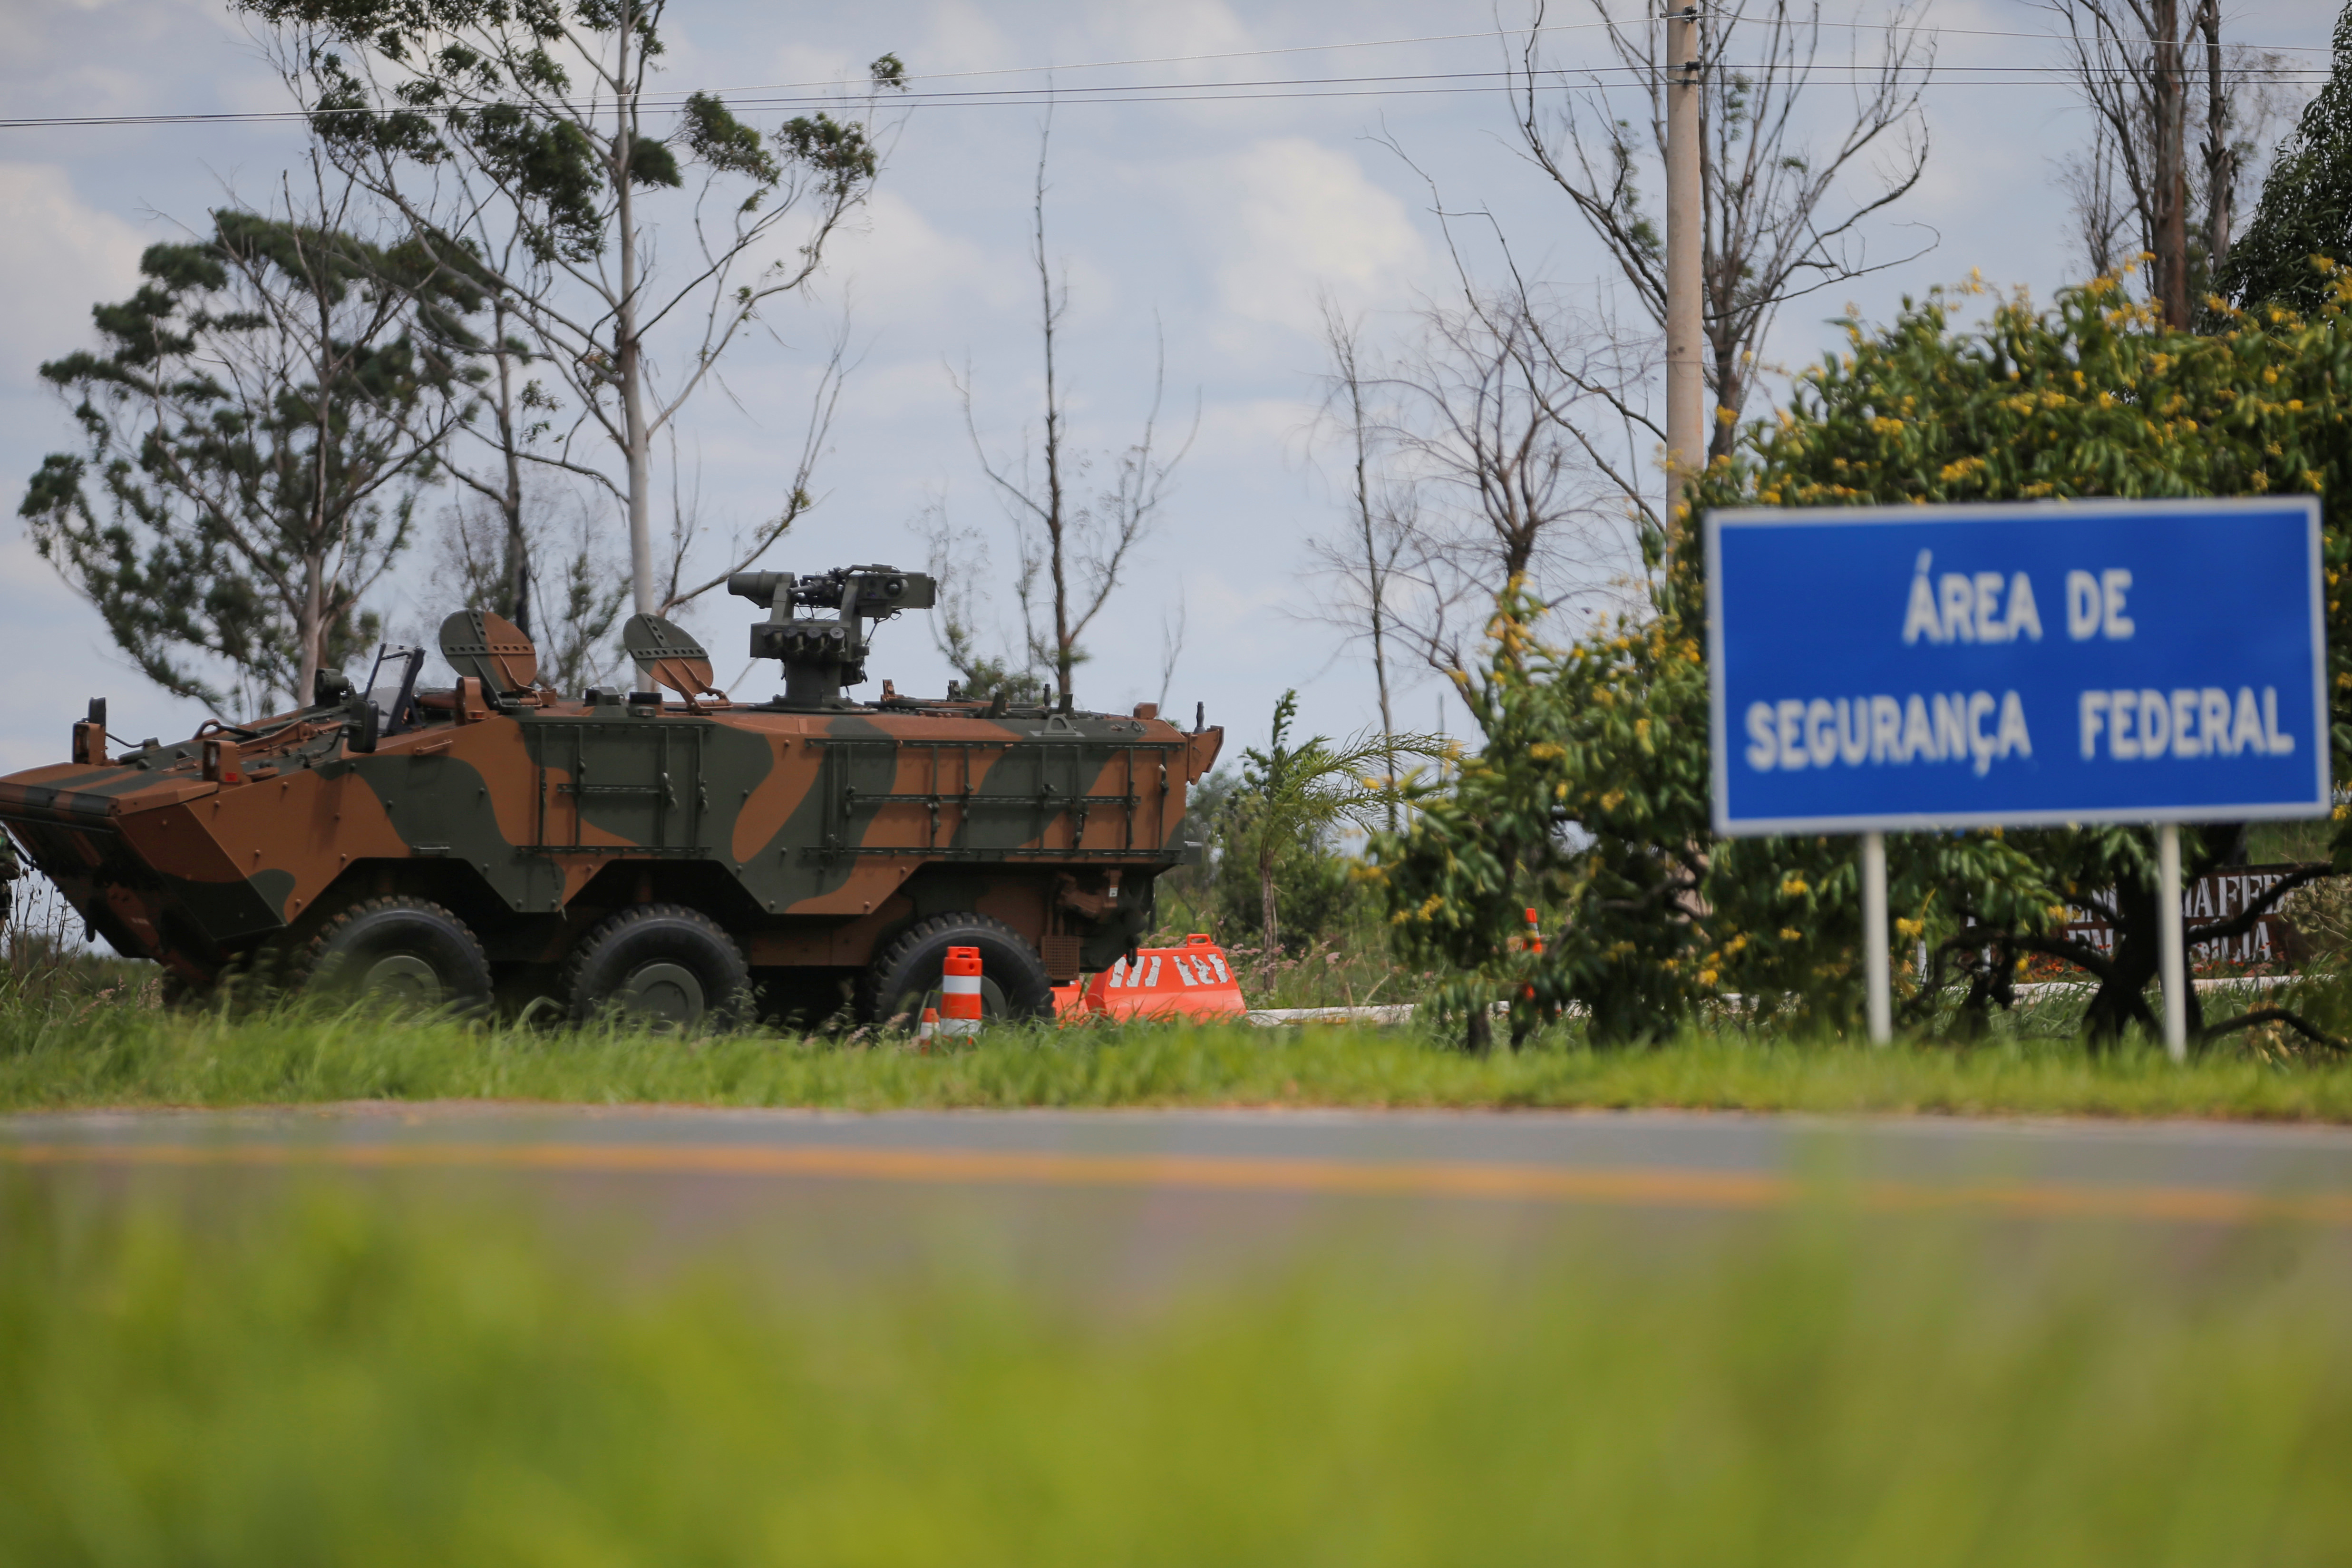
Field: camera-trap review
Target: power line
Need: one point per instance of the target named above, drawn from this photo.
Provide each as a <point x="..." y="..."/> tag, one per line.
<point x="1402" y="84"/>
<point x="845" y="85"/>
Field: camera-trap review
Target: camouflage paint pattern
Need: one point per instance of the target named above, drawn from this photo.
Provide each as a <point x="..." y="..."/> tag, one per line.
<point x="811" y="835"/>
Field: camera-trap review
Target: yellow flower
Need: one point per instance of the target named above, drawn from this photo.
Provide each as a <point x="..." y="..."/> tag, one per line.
<point x="1790" y="933"/>
<point x="1792" y="886"/>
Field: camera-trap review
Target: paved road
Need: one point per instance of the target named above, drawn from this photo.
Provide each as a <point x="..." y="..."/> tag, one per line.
<point x="2164" y="1171"/>
<point x="1142" y="1206"/>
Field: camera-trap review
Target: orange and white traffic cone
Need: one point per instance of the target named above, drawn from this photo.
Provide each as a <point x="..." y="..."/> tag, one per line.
<point x="927" y="1028"/>
<point x="959" y="994"/>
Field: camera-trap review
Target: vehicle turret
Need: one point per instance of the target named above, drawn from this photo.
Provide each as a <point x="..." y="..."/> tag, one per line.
<point x="822" y="653"/>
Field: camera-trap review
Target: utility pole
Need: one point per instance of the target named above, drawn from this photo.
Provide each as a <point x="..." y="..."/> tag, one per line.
<point x="1687" y="431"/>
<point x="2220" y="158"/>
<point x="2171" y="192"/>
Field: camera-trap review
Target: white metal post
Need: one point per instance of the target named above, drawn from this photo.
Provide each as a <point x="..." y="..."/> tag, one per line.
<point x="1873" y="939"/>
<point x="2173" y="964"/>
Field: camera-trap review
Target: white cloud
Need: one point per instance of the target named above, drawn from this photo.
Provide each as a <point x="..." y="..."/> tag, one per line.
<point x="57" y="257"/>
<point x="1178" y="29"/>
<point x="1287" y="217"/>
<point x="961" y="37"/>
<point x="893" y="255"/>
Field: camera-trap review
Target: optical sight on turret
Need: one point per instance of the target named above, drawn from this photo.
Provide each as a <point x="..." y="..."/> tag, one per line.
<point x="822" y="653"/>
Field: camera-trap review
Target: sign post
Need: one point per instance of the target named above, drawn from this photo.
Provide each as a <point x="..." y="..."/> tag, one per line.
<point x="2039" y="663"/>
<point x="2172" y="963"/>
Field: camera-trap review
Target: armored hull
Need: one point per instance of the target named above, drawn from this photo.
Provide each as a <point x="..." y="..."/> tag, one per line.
<point x="812" y="837"/>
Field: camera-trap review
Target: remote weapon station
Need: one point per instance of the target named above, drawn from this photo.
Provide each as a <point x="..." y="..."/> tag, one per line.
<point x="667" y="850"/>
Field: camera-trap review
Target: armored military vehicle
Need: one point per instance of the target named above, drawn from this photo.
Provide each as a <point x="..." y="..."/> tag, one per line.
<point x="667" y="850"/>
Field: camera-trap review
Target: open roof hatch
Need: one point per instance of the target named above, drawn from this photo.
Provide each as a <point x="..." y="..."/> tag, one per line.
<point x="667" y="656"/>
<point x="488" y="646"/>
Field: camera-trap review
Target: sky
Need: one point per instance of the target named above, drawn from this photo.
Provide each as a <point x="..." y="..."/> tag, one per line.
<point x="1208" y="221"/>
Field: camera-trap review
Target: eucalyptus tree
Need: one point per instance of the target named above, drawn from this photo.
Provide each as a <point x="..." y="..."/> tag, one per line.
<point x="2305" y="210"/>
<point x="259" y="420"/>
<point x="525" y="144"/>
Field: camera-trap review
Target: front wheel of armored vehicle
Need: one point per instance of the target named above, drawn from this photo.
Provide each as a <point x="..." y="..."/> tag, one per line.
<point x="409" y="951"/>
<point x="660" y="965"/>
<point x="905" y="978"/>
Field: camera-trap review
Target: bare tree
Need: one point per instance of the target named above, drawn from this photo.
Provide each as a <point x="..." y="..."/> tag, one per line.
<point x="678" y="587"/>
<point x="576" y="597"/>
<point x="506" y="422"/>
<point x="1374" y="556"/>
<point x="1503" y="407"/>
<point x="1074" y="548"/>
<point x="2088" y="177"/>
<point x="1172" y="646"/>
<point x="480" y="123"/>
<point x="1777" y="224"/>
<point x="986" y="662"/>
<point x="2133" y="63"/>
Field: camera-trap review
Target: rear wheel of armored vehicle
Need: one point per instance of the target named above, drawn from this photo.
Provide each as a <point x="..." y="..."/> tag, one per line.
<point x="661" y="965"/>
<point x="905" y="978"/>
<point x="409" y="951"/>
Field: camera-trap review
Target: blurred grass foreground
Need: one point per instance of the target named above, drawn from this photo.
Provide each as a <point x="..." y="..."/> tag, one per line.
<point x="336" y="1380"/>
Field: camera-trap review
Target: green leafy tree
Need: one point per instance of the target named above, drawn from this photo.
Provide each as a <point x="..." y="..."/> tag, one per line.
<point x="2088" y="398"/>
<point x="514" y="138"/>
<point x="1588" y="803"/>
<point x="1589" y="798"/>
<point x="258" y="422"/>
<point x="1296" y="796"/>
<point x="2305" y="210"/>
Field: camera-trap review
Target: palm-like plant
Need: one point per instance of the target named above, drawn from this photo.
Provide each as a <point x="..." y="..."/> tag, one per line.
<point x="1294" y="794"/>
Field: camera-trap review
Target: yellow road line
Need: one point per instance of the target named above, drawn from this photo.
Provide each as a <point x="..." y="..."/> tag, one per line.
<point x="1631" y="1187"/>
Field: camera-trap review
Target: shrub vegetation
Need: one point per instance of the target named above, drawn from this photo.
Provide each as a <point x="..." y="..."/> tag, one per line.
<point x="1589" y="798"/>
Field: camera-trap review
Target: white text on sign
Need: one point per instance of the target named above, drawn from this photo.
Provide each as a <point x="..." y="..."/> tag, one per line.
<point x="2142" y="726"/>
<point x="1859" y="731"/>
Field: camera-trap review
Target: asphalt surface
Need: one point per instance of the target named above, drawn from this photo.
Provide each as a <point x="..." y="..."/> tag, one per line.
<point x="1132" y="1209"/>
<point x="2166" y="1172"/>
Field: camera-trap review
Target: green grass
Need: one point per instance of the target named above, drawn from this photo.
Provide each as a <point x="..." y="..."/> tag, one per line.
<point x="336" y="1380"/>
<point x="66" y="1053"/>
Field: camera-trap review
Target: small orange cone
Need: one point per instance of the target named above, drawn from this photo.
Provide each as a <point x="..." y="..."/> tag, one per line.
<point x="960" y="1002"/>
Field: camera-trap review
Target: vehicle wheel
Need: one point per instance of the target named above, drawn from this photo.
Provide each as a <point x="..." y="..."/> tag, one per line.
<point x="661" y="964"/>
<point x="409" y="951"/>
<point x="904" y="979"/>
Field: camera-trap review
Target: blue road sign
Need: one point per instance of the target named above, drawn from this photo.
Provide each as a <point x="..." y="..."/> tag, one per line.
<point x="1879" y="668"/>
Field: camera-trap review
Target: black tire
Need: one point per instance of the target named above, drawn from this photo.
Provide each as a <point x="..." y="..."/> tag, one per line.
<point x="904" y="979"/>
<point x="661" y="964"/>
<point x="410" y="952"/>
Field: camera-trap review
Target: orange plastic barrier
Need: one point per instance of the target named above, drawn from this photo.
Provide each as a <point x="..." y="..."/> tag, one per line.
<point x="1192" y="979"/>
